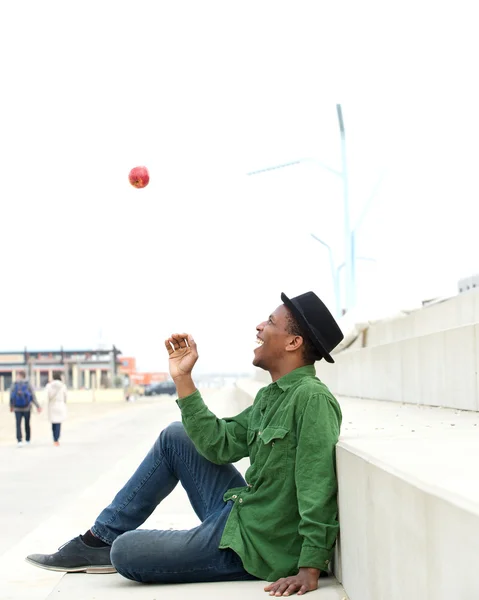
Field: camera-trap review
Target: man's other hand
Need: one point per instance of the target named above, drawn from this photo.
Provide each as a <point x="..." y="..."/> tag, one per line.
<point x="305" y="581"/>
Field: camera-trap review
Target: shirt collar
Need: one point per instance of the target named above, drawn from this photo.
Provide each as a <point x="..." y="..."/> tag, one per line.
<point x="293" y="377"/>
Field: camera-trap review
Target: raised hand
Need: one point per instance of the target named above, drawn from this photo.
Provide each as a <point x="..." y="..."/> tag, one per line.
<point x="183" y="354"/>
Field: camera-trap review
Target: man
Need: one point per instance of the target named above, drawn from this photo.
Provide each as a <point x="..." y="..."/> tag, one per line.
<point x="22" y="397"/>
<point x="280" y="522"/>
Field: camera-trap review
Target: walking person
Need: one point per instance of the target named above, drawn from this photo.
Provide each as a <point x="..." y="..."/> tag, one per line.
<point x="57" y="410"/>
<point x="22" y="397"/>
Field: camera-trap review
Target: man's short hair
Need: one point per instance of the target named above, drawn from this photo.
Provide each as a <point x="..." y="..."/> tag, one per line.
<point x="57" y="375"/>
<point x="310" y="353"/>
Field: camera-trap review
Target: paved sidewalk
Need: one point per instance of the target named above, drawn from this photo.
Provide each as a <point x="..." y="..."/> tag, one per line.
<point x="50" y="495"/>
<point x="41" y="427"/>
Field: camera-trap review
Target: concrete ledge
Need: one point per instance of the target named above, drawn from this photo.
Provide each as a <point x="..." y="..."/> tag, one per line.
<point x="115" y="587"/>
<point x="454" y="312"/>
<point x="408" y="501"/>
<point x="439" y="369"/>
<point x="401" y="542"/>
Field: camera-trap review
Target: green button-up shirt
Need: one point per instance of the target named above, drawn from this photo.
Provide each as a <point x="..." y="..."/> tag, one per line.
<point x="286" y="517"/>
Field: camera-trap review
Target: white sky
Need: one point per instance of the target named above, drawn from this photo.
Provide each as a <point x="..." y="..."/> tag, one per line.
<point x="201" y="93"/>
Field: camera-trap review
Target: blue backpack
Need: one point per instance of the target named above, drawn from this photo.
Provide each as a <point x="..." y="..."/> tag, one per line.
<point x="21" y="395"/>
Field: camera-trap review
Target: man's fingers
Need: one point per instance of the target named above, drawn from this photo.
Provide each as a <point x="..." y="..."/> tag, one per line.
<point x="303" y="590"/>
<point x="272" y="587"/>
<point x="268" y="587"/>
<point x="175" y="342"/>
<point x="285" y="587"/>
<point x="180" y="339"/>
<point x="168" y="346"/>
<point x="282" y="588"/>
<point x="292" y="588"/>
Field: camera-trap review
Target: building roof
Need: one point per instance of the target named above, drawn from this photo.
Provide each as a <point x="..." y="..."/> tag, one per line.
<point x="60" y="351"/>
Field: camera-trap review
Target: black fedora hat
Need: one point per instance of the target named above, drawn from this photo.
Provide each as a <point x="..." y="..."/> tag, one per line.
<point x="316" y="320"/>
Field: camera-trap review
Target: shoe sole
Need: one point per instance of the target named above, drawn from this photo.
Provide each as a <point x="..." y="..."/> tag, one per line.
<point x="100" y="569"/>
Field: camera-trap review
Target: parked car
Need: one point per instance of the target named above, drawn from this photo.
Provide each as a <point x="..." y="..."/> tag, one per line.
<point x="162" y="387"/>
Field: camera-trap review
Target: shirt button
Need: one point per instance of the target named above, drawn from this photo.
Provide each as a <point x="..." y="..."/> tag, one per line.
<point x="241" y="500"/>
<point x="326" y="562"/>
<point x="234" y="497"/>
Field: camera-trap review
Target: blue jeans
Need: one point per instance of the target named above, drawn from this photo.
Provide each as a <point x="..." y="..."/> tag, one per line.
<point x="56" y="431"/>
<point x="155" y="556"/>
<point x="18" y="417"/>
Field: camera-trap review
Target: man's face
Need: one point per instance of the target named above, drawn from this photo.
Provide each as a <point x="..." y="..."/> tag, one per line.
<point x="272" y="337"/>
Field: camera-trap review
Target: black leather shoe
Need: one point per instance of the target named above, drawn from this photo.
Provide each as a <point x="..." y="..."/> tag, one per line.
<point x="75" y="557"/>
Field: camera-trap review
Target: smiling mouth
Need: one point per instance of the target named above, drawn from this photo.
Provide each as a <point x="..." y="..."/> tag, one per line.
<point x="259" y="343"/>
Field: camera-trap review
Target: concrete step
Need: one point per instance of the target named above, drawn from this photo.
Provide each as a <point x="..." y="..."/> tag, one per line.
<point x="409" y="502"/>
<point x="452" y="313"/>
<point x="115" y="587"/>
<point x="439" y="369"/>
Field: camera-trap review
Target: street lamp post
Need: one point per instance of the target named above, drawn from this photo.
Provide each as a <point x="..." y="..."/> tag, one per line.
<point x="349" y="248"/>
<point x="334" y="274"/>
<point x="349" y="233"/>
<point x="336" y="271"/>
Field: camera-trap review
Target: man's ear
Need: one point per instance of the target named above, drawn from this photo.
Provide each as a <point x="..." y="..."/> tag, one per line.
<point x="295" y="344"/>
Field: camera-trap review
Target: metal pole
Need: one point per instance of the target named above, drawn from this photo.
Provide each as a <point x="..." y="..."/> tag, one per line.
<point x="342" y="265"/>
<point x="334" y="274"/>
<point x="349" y="234"/>
<point x="370" y="200"/>
<point x="349" y="251"/>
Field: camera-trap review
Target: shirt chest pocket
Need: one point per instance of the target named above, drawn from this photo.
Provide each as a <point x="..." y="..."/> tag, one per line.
<point x="272" y="446"/>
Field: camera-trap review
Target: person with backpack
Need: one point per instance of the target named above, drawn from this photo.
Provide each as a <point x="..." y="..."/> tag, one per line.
<point x="22" y="397"/>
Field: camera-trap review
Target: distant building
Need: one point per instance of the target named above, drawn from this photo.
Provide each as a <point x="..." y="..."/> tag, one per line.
<point x="127" y="367"/>
<point x="82" y="369"/>
<point x="468" y="283"/>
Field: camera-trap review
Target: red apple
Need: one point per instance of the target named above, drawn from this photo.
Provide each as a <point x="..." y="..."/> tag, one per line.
<point x="139" y="177"/>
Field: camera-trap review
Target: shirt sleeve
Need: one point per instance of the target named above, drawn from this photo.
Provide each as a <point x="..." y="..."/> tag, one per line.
<point x="220" y="441"/>
<point x="316" y="482"/>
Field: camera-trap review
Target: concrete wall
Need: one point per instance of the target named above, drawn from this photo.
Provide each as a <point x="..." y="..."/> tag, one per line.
<point x="455" y="312"/>
<point x="440" y="369"/>
<point x="399" y="542"/>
